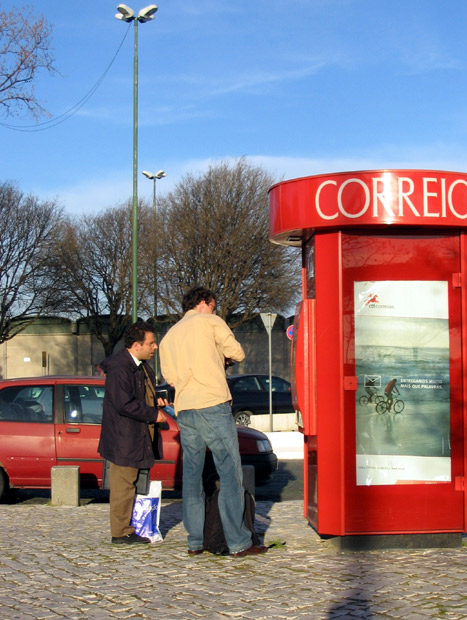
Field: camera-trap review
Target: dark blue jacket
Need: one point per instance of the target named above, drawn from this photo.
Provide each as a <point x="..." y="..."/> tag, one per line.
<point x="125" y="438"/>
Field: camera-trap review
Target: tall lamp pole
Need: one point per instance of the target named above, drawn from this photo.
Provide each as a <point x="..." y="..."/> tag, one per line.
<point x="154" y="176"/>
<point x="128" y="15"/>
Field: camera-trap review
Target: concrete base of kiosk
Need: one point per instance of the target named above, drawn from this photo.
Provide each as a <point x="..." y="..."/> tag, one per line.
<point x="394" y="541"/>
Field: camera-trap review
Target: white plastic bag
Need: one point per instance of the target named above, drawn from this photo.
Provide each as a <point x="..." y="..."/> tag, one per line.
<point x="146" y="513"/>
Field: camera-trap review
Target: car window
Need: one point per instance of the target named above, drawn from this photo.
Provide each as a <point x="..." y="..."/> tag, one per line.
<point x="247" y="384"/>
<point x="31" y="403"/>
<point x="278" y="384"/>
<point x="83" y="404"/>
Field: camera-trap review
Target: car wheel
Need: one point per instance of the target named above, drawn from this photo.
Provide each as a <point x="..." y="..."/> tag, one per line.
<point x="243" y="418"/>
<point x="4" y="484"/>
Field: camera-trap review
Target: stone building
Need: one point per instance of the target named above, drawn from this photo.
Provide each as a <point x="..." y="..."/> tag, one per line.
<point x="53" y="345"/>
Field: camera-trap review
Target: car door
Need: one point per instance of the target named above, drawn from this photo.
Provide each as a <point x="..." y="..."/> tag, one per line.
<point x="281" y="395"/>
<point x="248" y="394"/>
<point x="78" y="427"/>
<point x="168" y="469"/>
<point x="27" y="446"/>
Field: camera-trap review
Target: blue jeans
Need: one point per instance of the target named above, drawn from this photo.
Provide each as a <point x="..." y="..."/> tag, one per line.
<point x="212" y="427"/>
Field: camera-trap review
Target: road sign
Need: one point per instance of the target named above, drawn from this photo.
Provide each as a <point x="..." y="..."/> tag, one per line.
<point x="268" y="320"/>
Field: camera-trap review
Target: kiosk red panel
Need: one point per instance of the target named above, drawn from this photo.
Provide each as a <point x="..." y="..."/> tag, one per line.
<point x="380" y="381"/>
<point x="402" y="459"/>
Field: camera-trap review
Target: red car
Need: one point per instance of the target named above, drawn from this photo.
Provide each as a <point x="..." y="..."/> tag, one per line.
<point x="52" y="420"/>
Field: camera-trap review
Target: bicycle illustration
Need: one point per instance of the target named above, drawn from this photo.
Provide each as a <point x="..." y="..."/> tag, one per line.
<point x="374" y="398"/>
<point x="385" y="405"/>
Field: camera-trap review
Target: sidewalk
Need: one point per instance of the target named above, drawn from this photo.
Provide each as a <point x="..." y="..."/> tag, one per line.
<point x="58" y="563"/>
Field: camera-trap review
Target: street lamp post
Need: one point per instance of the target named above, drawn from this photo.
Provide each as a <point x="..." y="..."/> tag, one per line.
<point x="154" y="176"/>
<point x="127" y="14"/>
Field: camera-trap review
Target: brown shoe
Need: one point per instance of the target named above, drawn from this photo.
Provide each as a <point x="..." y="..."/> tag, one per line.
<point x="195" y="551"/>
<point x="253" y="550"/>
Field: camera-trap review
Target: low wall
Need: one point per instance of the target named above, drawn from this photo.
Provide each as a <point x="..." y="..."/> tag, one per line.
<point x="280" y="422"/>
<point x="287" y="445"/>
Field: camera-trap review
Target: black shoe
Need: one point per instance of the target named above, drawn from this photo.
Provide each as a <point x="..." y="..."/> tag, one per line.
<point x="195" y="551"/>
<point x="130" y="539"/>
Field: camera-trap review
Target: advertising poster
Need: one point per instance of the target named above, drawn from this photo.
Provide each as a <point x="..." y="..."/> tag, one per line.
<point x="402" y="367"/>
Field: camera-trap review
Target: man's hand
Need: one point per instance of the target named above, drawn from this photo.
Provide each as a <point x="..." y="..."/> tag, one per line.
<point x="161" y="417"/>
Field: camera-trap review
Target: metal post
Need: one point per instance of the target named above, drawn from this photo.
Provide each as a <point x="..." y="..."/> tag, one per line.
<point x="127" y="14"/>
<point x="156" y="354"/>
<point x="270" y="381"/>
<point x="134" y="278"/>
<point x="268" y="319"/>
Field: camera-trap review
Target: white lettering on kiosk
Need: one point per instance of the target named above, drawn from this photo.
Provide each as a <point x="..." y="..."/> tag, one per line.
<point x="367" y="198"/>
<point x="451" y="206"/>
<point x="405" y="195"/>
<point x="381" y="196"/>
<point x="435" y="203"/>
<point x="426" y="195"/>
<point x="443" y="197"/>
<point x="318" y="208"/>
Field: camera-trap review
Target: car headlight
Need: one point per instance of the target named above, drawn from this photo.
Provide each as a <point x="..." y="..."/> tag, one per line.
<point x="264" y="445"/>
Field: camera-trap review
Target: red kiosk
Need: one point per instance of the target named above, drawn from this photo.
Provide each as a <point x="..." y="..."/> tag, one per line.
<point x="379" y="347"/>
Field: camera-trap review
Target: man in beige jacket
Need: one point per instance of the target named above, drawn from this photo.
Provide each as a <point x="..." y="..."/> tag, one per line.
<point x="193" y="354"/>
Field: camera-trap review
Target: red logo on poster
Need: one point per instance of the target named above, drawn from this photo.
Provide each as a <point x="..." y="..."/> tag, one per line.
<point x="371" y="299"/>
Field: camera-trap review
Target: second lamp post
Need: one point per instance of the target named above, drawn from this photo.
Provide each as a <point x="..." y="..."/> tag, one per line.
<point x="154" y="177"/>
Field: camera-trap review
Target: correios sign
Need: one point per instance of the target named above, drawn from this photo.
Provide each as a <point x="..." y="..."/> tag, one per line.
<point x="369" y="198"/>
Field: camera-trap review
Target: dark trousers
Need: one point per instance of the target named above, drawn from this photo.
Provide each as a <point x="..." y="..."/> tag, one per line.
<point x="122" y="496"/>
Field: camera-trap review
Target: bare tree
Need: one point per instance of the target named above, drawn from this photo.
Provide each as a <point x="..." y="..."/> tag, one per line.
<point x="93" y="263"/>
<point x="216" y="234"/>
<point x="29" y="234"/>
<point x="25" y="49"/>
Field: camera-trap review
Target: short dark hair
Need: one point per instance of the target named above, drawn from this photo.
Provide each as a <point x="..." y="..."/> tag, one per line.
<point x="137" y="333"/>
<point x="195" y="296"/>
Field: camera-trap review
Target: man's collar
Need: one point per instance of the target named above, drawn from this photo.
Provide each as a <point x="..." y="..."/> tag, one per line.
<point x="135" y="359"/>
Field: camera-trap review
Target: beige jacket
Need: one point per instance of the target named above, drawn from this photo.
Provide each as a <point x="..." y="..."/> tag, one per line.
<point x="193" y="354"/>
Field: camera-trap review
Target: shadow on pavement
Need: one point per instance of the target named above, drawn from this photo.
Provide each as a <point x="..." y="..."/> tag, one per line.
<point x="356" y="604"/>
<point x="286" y="484"/>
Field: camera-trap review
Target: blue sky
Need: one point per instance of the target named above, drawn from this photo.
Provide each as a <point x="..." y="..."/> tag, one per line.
<point x="303" y="87"/>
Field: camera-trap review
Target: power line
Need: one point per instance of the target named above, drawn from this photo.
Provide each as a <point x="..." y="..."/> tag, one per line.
<point x="61" y="118"/>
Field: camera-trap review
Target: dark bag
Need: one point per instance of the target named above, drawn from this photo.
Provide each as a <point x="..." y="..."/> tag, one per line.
<point x="214" y="539"/>
<point x="142" y="482"/>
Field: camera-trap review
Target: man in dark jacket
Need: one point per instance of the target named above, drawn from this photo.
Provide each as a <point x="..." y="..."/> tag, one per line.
<point x="129" y="429"/>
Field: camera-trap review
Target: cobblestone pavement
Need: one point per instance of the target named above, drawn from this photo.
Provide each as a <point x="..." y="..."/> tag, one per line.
<point x="58" y="562"/>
